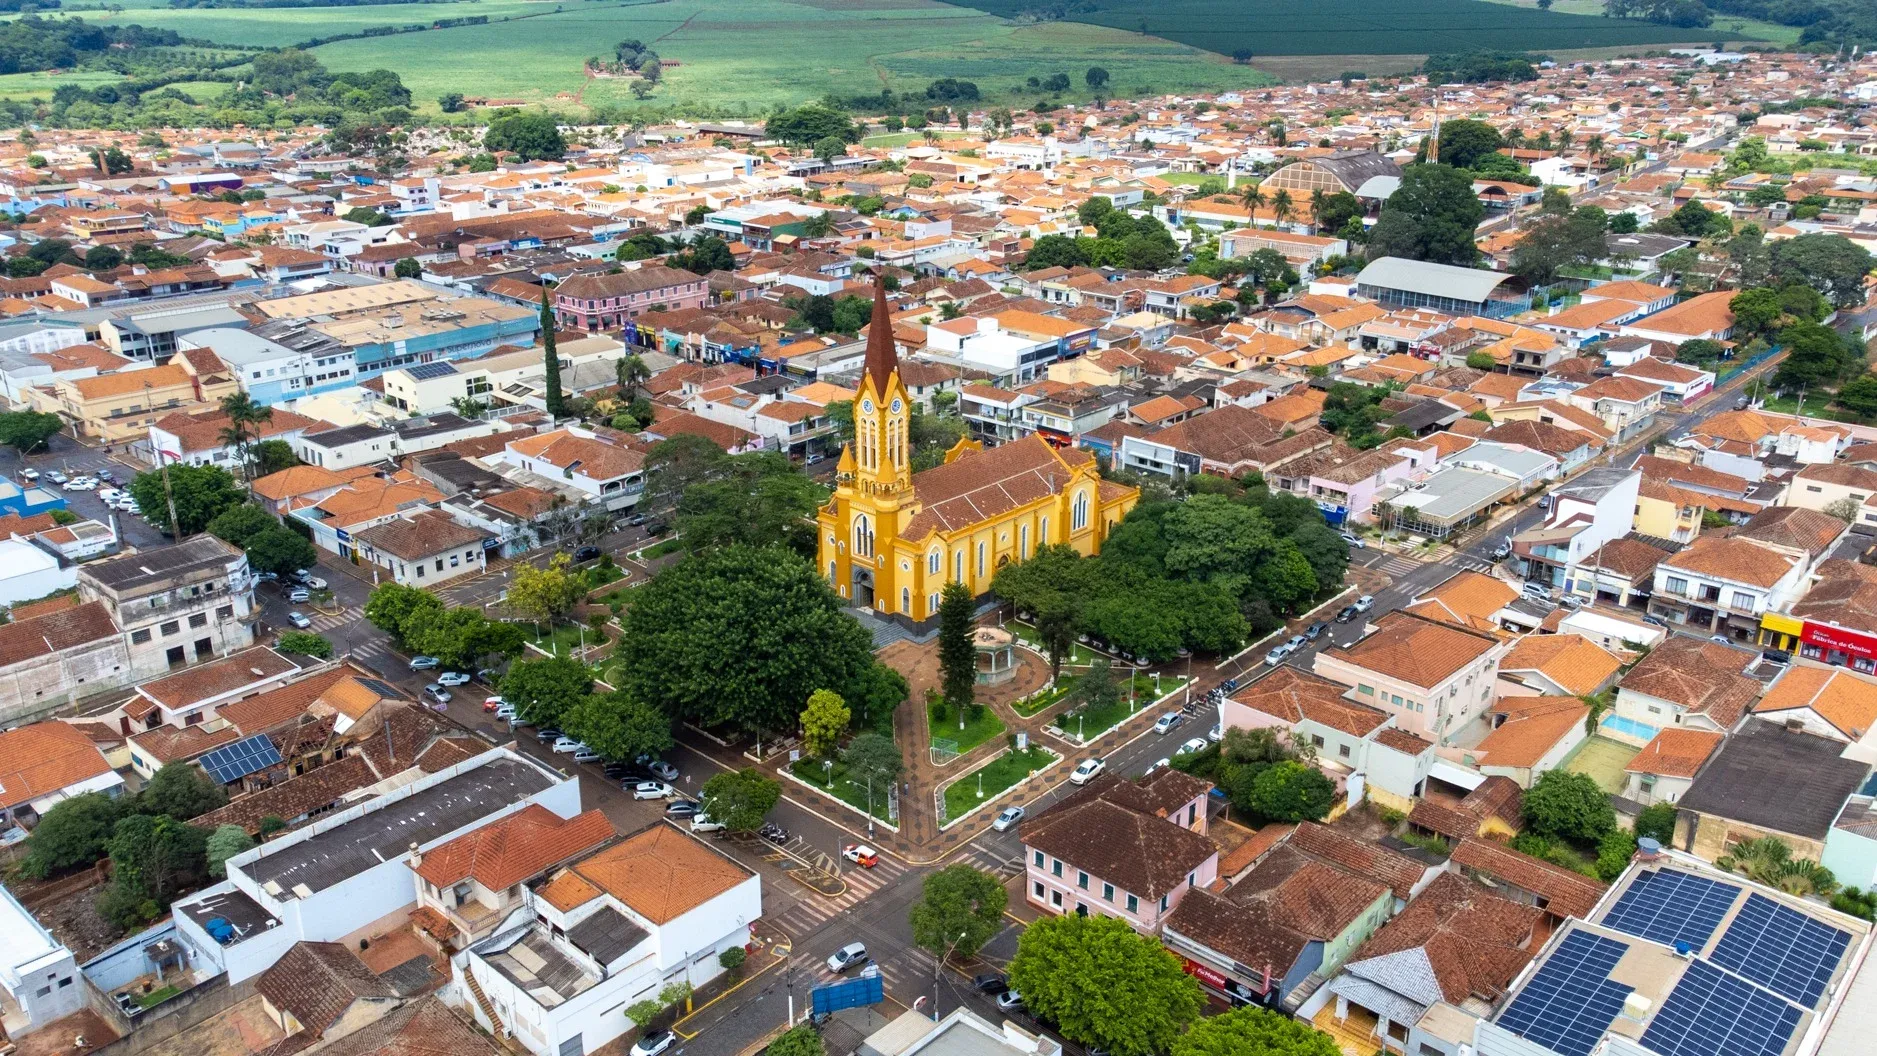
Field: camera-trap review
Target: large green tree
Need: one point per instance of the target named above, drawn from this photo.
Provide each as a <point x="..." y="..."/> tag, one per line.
<point x="1431" y="216"/>
<point x="1254" y="1031"/>
<point x="1570" y="806"/>
<point x="202" y="493"/>
<point x="182" y="791"/>
<point x="545" y="690"/>
<point x="1832" y="264"/>
<point x="738" y="637"/>
<point x="1104" y="984"/>
<point x="873" y="760"/>
<point x="803" y="1040"/>
<point x="393" y="608"/>
<point x="740" y="799"/>
<point x="960" y="909"/>
<point x="1464" y="142"/>
<point x="550" y="363"/>
<point x="753" y="499"/>
<point x="461" y="639"/>
<point x="618" y="727"/>
<point x="958" y="657"/>
<point x="1290" y="791"/>
<point x="224" y="843"/>
<point x="533" y="136"/>
<point x="72" y="833"/>
<point x="28" y="431"/>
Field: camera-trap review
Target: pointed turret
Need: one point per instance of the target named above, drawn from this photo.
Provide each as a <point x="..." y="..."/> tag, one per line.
<point x="882" y="357"/>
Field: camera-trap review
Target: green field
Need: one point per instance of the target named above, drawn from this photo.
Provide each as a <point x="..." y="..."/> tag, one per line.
<point x="1335" y="27"/>
<point x="735" y="57"/>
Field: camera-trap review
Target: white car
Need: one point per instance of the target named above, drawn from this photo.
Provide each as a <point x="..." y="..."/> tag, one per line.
<point x="453" y="678"/>
<point x="81" y="484"/>
<point x="1197" y="744"/>
<point x="298" y="619"/>
<point x="1009" y="1001"/>
<point x="29" y="474"/>
<point x="57" y="477"/>
<point x="653" y="1044"/>
<point x="647" y="789"/>
<point x="1166" y="723"/>
<point x="1365" y="603"/>
<point x="1277" y="654"/>
<point x="299" y="595"/>
<point x="1088" y="770"/>
<point x="315" y="582"/>
<point x="847" y="956"/>
<point x="1006" y="818"/>
<point x="506" y="713"/>
<point x="1354" y="541"/>
<point x="567" y="744"/>
<point x="703" y="823"/>
<point x="109" y="495"/>
<point x="1158" y="764"/>
<point x="1217" y="733"/>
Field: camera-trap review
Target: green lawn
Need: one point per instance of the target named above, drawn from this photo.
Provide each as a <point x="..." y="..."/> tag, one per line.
<point x="1602" y="759"/>
<point x="836" y="783"/>
<point x="598" y="576"/>
<point x="986" y="726"/>
<point x="1817" y="405"/>
<point x="1091" y="722"/>
<point x="564" y="639"/>
<point x="1079" y="655"/>
<point x="1044" y="698"/>
<point x="904" y="139"/>
<point x="992" y="778"/>
<point x="660" y="549"/>
<point x="157" y="996"/>
<point x="1748" y="27"/>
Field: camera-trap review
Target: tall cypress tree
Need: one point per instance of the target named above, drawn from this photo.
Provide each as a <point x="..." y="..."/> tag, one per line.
<point x="958" y="658"/>
<point x="552" y="377"/>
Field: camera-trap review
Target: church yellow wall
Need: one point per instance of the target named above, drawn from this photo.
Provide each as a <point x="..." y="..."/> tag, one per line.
<point x="904" y="583"/>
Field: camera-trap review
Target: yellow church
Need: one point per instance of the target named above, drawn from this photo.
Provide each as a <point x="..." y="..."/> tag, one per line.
<point x="890" y="539"/>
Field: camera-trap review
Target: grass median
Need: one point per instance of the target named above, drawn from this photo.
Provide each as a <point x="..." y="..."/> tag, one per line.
<point x="993" y="778"/>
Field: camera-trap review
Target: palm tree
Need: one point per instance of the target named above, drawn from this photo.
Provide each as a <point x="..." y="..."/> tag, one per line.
<point x="1281" y="205"/>
<point x="1253" y="196"/>
<point x="1515" y="138"/>
<point x="1594" y="146"/>
<point x="243" y="412"/>
<point x="1316" y="205"/>
<point x="1769" y="861"/>
<point x="632" y="372"/>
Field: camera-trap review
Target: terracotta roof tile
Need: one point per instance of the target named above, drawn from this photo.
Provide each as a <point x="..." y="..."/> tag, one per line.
<point x="1846" y="701"/>
<point x="1293" y="695"/>
<point x="661" y="873"/>
<point x="1676" y="752"/>
<point x="1532" y="727"/>
<point x="1706" y="678"/>
<point x="1575" y="663"/>
<point x="1566" y="893"/>
<point x="41" y="758"/>
<point x="1097" y="829"/>
<point x="1416" y="650"/>
<point x="505" y="852"/>
<point x="1474" y="941"/>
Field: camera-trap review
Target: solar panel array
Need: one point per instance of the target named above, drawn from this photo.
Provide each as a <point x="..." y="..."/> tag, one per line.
<point x="1569" y="1003"/>
<point x="1667" y="906"/>
<point x="1782" y="949"/>
<point x="383" y="689"/>
<point x="232" y="762"/>
<point x="1710" y="1013"/>
<point x="429" y="371"/>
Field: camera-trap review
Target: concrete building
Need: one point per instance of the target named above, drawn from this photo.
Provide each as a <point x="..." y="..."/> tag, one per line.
<point x="37" y="972"/>
<point x="1434" y="678"/>
<point x="176" y="605"/>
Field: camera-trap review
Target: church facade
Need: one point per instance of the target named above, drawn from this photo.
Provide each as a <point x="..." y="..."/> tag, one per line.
<point x="891" y="539"/>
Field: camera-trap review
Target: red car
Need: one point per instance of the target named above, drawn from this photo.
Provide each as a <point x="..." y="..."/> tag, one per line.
<point x="492" y="703"/>
<point x="861" y="854"/>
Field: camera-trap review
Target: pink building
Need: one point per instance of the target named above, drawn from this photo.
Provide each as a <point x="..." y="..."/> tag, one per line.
<point x="604" y="302"/>
<point x="1122" y="849"/>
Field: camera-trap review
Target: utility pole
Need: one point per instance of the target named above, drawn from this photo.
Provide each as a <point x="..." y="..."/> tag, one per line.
<point x="939" y="969"/>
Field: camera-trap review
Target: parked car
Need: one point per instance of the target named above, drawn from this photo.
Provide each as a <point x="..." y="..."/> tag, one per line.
<point x="423" y="663"/>
<point x="587" y="553"/>
<point x="1006" y="818"/>
<point x="1088" y="770"/>
<point x="1365" y="603"/>
<point x="57" y="477"/>
<point x="1157" y="764"/>
<point x="703" y="823"/>
<point x="847" y="956"/>
<point x="1502" y="551"/>
<point x="1297" y="641"/>
<point x="656" y="528"/>
<point x="437" y="693"/>
<point x="588" y="755"/>
<point x="682" y="808"/>
<point x="493" y="703"/>
<point x="1278" y="653"/>
<point x="29" y="474"/>
<point x="635" y="520"/>
<point x="298" y="619"/>
<point x="861" y="854"/>
<point x="1349" y="612"/>
<point x="662" y="770"/>
<point x="1354" y="540"/>
<point x="1166" y="723"/>
<point x="565" y="744"/>
<point x="548" y="734"/>
<point x="1217" y="733"/>
<point x="267" y="577"/>
<point x="652" y="790"/>
<point x="109" y="495"/>
<point x="1315" y="630"/>
<point x="1544" y="502"/>
<point x="1197" y="744"/>
<point x="453" y="678"/>
<point x="508" y="714"/>
<point x="653" y="1044"/>
<point x="316" y="583"/>
<point x="301" y="595"/>
<point x="990" y="983"/>
<point x="1009" y="1001"/>
<point x="301" y="575"/>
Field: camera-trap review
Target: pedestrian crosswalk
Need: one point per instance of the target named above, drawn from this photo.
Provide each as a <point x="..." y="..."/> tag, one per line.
<point x="990" y="860"/>
<point x="1398" y="566"/>
<point x="1470" y="563"/>
<point x="811" y="910"/>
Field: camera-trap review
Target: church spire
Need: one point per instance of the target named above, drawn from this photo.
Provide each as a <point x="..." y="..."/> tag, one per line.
<point x="882" y="357"/>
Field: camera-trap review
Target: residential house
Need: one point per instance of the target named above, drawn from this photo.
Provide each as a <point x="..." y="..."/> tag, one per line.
<point x="1590" y="510"/>
<point x="425" y="548"/>
<point x="1686" y="681"/>
<point x="476" y="880"/>
<point x="610" y="930"/>
<point x="1667" y="765"/>
<point x="53" y="658"/>
<point x="1358" y="746"/>
<point x="1620" y="572"/>
<point x="604" y="474"/>
<point x="609" y="301"/>
<point x="1561" y="664"/>
<point x="1726" y="584"/>
<point x="43" y="763"/>
<point x="1435" y="678"/>
<point x="1121" y="849"/>
<point x="1829" y="702"/>
<point x="1562" y="893"/>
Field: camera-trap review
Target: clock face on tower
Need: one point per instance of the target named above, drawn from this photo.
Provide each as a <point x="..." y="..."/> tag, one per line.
<point x="866" y="406"/>
<point x="897" y="406"/>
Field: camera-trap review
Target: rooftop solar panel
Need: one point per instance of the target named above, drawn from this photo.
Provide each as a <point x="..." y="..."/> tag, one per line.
<point x="428" y="371"/>
<point x="1782" y="949"/>
<point x="1668" y="907"/>
<point x="1710" y="1013"/>
<point x="1570" y="1001"/>
<point x="232" y="762"/>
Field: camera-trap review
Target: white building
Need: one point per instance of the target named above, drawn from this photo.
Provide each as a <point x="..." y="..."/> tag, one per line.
<point x="37" y="972"/>
<point x="612" y="929"/>
<point x="338" y="878"/>
<point x="270" y="372"/>
<point x="1596" y="507"/>
<point x="28" y="571"/>
<point x="176" y="605"/>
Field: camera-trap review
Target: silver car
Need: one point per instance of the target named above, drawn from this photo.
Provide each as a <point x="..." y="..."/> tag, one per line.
<point x="1006" y="818"/>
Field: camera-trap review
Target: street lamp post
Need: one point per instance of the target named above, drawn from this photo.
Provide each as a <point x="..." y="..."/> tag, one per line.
<point x="939" y="969"/>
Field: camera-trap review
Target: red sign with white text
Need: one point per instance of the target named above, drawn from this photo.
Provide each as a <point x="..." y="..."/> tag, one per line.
<point x="1850" y="642"/>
